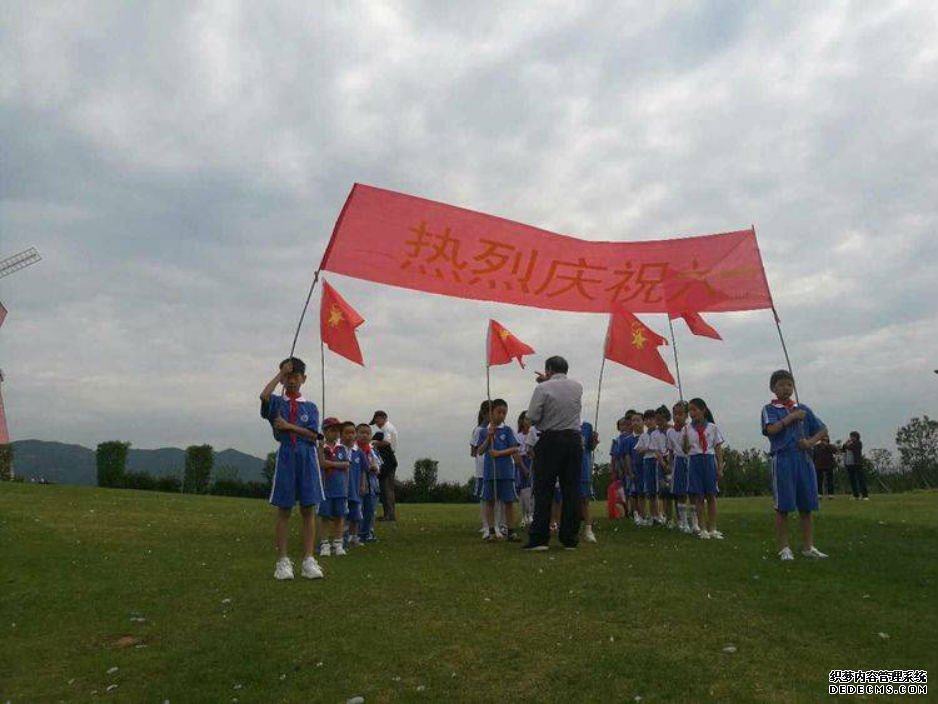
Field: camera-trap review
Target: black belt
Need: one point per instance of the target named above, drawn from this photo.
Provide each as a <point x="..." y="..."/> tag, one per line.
<point x="559" y="432"/>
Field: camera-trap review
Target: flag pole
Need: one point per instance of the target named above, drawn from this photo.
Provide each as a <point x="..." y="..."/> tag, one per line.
<point x="677" y="365"/>
<point x="488" y="396"/>
<point x="309" y="295"/>
<point x="322" y="371"/>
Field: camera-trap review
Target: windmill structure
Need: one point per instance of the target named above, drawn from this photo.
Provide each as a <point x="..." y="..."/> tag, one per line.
<point x="9" y="266"/>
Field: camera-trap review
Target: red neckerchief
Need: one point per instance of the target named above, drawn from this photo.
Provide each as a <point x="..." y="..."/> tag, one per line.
<point x="701" y="434"/>
<point x="789" y="404"/>
<point x="365" y="447"/>
<point x="294" y="411"/>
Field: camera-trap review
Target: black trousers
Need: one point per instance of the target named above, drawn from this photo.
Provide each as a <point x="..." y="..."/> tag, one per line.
<point x="825" y="477"/>
<point x="857" y="480"/>
<point x="558" y="455"/>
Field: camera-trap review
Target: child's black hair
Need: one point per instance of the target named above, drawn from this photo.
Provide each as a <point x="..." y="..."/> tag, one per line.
<point x="702" y="405"/>
<point x="682" y="405"/>
<point x="624" y="420"/>
<point x="629" y="413"/>
<point x="363" y="425"/>
<point x="498" y="403"/>
<point x="346" y="424"/>
<point x="662" y="410"/>
<point x="524" y="414"/>
<point x="855" y="434"/>
<point x="299" y="366"/>
<point x="650" y="413"/>
<point x="483" y="412"/>
<point x="777" y="376"/>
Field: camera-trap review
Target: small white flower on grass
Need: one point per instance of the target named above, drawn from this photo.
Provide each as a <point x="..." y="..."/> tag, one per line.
<point x="355" y="700"/>
<point x="396" y="678"/>
<point x="71" y="681"/>
<point x="708" y="595"/>
<point x="112" y="670"/>
<point x="612" y="639"/>
<point x="866" y="596"/>
<point x="319" y="664"/>
<point x="730" y="649"/>
<point x="282" y="677"/>
<point x="238" y="686"/>
<point x="226" y="601"/>
<point x="486" y="599"/>
<point x="884" y="636"/>
<point x="637" y="698"/>
<point x="421" y="688"/>
<point x="110" y="687"/>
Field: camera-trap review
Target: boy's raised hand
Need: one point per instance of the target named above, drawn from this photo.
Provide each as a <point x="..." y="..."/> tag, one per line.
<point x="800" y="414"/>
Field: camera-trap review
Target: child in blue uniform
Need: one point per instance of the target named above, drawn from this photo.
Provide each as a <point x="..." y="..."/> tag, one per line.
<point x="366" y="532"/>
<point x="703" y="443"/>
<point x="633" y="460"/>
<point x="663" y="468"/>
<point x="475" y="442"/>
<point x="687" y="518"/>
<point x="296" y="479"/>
<point x="525" y="485"/>
<point x="333" y="509"/>
<point x="648" y="472"/>
<point x="500" y="449"/>
<point x="356" y="477"/>
<point x="590" y="441"/>
<point x="792" y="429"/>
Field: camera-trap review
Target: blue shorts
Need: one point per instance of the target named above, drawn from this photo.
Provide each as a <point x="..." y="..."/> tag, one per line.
<point x="794" y="481"/>
<point x="505" y="493"/>
<point x="649" y="478"/>
<point x="296" y="476"/>
<point x="702" y="475"/>
<point x="679" y="477"/>
<point x="586" y="490"/>
<point x="355" y="511"/>
<point x="333" y="508"/>
<point x="478" y="490"/>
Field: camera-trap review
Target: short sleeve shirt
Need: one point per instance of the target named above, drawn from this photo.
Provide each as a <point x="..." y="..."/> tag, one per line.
<point x="501" y="467"/>
<point x="676" y="442"/>
<point x="788" y="438"/>
<point x="307" y="416"/>
<point x="711" y="433"/>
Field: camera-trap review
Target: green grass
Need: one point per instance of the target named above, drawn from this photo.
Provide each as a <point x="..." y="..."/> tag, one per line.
<point x="431" y="613"/>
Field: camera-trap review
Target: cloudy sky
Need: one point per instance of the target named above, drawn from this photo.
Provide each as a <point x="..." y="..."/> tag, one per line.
<point x="180" y="165"/>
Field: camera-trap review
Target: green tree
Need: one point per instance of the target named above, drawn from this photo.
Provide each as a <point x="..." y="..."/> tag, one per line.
<point x="199" y="462"/>
<point x="226" y="473"/>
<point x="270" y="467"/>
<point x="6" y="462"/>
<point x="425" y="475"/>
<point x="111" y="459"/>
<point x="917" y="442"/>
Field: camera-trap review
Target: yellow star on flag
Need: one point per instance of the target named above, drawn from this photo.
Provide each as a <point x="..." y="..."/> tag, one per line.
<point x="504" y="334"/>
<point x="335" y="316"/>
<point x="638" y="339"/>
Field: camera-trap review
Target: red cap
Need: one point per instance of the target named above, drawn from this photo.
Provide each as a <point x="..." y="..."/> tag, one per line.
<point x="329" y="422"/>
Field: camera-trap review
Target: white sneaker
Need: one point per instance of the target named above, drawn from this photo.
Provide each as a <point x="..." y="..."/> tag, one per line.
<point x="325" y="550"/>
<point x="638" y="520"/>
<point x="785" y="554"/>
<point x="311" y="568"/>
<point x="284" y="569"/>
<point x="353" y="540"/>
<point x="813" y="552"/>
<point x="717" y="535"/>
<point x="648" y="521"/>
<point x="337" y="548"/>
<point x="704" y="535"/>
<point x="685" y="528"/>
<point x="588" y="535"/>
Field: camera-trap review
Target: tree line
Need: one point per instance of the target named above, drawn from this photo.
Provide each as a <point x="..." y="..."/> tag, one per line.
<point x="745" y="472"/>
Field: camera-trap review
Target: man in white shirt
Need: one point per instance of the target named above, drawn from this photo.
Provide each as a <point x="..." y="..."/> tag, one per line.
<point x="385" y="443"/>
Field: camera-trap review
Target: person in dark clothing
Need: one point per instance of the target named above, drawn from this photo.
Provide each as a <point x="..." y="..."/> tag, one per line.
<point x="853" y="462"/>
<point x="824" y="463"/>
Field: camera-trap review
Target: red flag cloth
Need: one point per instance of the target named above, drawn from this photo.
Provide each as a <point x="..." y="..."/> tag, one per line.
<point x="697" y="325"/>
<point x="401" y="240"/>
<point x="631" y="343"/>
<point x="504" y="347"/>
<point x="337" y="323"/>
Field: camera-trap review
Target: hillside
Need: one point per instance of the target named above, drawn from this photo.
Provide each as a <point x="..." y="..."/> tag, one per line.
<point x="65" y="463"/>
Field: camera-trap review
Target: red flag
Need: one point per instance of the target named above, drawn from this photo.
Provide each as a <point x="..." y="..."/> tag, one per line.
<point x="697" y="325"/>
<point x="423" y="245"/>
<point x="504" y="347"/>
<point x="631" y="343"/>
<point x="337" y="323"/>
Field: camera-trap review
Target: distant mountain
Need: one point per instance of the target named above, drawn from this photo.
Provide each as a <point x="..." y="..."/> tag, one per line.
<point x="73" y="464"/>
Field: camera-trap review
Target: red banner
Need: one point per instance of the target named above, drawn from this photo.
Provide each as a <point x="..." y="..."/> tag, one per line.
<point x="401" y="240"/>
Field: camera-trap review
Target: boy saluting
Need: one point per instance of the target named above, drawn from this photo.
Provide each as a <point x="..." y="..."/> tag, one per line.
<point x="295" y="421"/>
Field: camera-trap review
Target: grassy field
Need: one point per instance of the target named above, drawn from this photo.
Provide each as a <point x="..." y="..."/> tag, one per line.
<point x="430" y="613"/>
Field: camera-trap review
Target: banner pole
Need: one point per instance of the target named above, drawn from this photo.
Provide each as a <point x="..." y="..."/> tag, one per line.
<point x="303" y="313"/>
<point x="488" y="396"/>
<point x="322" y="371"/>
<point x="677" y="365"/>
<point x="781" y="338"/>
